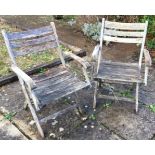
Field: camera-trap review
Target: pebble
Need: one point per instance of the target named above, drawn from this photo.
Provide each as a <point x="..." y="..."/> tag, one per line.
<point x="92" y="126"/>
<point x="54" y="122"/>
<point x="100" y="129"/>
<point x="52" y="135"/>
<point x="32" y="122"/>
<point x="85" y="126"/>
<point x="84" y="118"/>
<point x="86" y="106"/>
<point x="61" y="129"/>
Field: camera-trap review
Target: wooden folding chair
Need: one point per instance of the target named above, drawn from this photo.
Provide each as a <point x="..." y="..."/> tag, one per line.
<point x="118" y="72"/>
<point x="48" y="87"/>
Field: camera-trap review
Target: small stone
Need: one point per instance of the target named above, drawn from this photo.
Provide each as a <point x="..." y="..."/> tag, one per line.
<point x="84" y="118"/>
<point x="100" y="129"/>
<point x="5" y="94"/>
<point x="52" y="135"/>
<point x="85" y="126"/>
<point x="55" y="122"/>
<point x="61" y="129"/>
<point x="3" y="90"/>
<point x="7" y="99"/>
<point x="3" y="110"/>
<point x="86" y="106"/>
<point x="69" y="97"/>
<point x="32" y="122"/>
<point x="92" y="126"/>
<point x="94" y="109"/>
<point x="73" y="101"/>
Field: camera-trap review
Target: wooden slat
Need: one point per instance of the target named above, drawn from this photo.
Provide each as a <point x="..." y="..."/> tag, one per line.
<point x="49" y="87"/>
<point x="35" y="49"/>
<point x="124" y="99"/>
<point x="119" y="79"/>
<point x="58" y="85"/>
<point x="110" y="32"/>
<point x="30" y="33"/>
<point x="24" y="43"/>
<point x="51" y="77"/>
<point x="62" y="89"/>
<point x="116" y="71"/>
<point x="123" y="40"/>
<point x="124" y="26"/>
<point x="118" y="63"/>
<point x="63" y="92"/>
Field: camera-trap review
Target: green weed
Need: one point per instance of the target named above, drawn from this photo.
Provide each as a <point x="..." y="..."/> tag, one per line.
<point x="151" y="107"/>
<point x="92" y="117"/>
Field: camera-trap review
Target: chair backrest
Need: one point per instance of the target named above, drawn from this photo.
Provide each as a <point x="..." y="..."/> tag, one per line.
<point x="124" y="33"/>
<point x="32" y="41"/>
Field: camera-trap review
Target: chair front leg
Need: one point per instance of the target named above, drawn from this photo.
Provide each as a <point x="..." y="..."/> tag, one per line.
<point x="137" y="96"/>
<point x="79" y="110"/>
<point x="95" y="94"/>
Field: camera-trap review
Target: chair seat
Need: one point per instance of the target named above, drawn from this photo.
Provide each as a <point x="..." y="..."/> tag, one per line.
<point x="119" y="72"/>
<point x="56" y="83"/>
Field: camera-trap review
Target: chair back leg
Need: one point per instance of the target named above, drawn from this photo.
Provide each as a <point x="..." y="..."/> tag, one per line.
<point x="137" y="94"/>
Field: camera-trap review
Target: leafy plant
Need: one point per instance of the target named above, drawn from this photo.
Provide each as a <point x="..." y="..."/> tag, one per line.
<point x="9" y="116"/>
<point x="66" y="100"/>
<point x="92" y="117"/>
<point x="152" y="107"/>
<point x="126" y="93"/>
<point x="42" y="70"/>
<point x="92" y="30"/>
<point x="63" y="48"/>
<point x="107" y="105"/>
<point x="151" y="43"/>
<point x="151" y="30"/>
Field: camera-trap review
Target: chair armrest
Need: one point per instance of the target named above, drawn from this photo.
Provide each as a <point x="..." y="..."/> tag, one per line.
<point x="148" y="63"/>
<point x="21" y="74"/>
<point x="96" y="51"/>
<point x="84" y="63"/>
<point x="148" y="60"/>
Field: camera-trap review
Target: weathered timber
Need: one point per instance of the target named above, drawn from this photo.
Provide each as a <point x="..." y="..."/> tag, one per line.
<point x="57" y="86"/>
<point x="30" y="33"/>
<point x="116" y="72"/>
<point x="50" y="85"/>
<point x="124" y="26"/>
<point x="118" y="98"/>
<point x="34" y="49"/>
<point x="111" y="32"/>
<point x="119" y="72"/>
<point x="123" y="40"/>
<point x="30" y="42"/>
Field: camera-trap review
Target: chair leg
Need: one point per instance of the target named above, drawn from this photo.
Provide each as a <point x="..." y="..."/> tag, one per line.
<point x="137" y="93"/>
<point x="36" y="119"/>
<point x="25" y="105"/>
<point x="95" y="94"/>
<point x="77" y="102"/>
<point x="28" y="103"/>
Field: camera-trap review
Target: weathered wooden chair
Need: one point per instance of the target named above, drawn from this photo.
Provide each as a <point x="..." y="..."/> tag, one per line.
<point x="119" y="72"/>
<point x="47" y="87"/>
